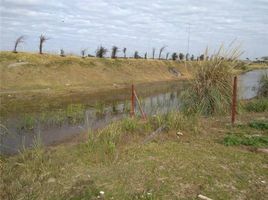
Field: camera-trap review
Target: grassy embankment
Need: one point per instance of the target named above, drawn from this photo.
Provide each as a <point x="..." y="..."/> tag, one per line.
<point x="47" y="73"/>
<point x="210" y="158"/>
<point x="27" y="71"/>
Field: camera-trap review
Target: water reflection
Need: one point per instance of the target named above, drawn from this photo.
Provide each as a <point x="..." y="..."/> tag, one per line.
<point x="248" y="83"/>
<point x="58" y="125"/>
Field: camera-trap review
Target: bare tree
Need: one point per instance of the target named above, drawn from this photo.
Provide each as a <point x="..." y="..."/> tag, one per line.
<point x="136" y="55"/>
<point x="114" y="52"/>
<point x="167" y="55"/>
<point x="202" y="57"/>
<point x="192" y="58"/>
<point x="124" y="51"/>
<point x="17" y="42"/>
<point x="187" y="57"/>
<point x="83" y="53"/>
<point x="41" y="42"/>
<point x="101" y="51"/>
<point x="181" y="56"/>
<point x="153" y="52"/>
<point x="174" y="56"/>
<point x="145" y="55"/>
<point x="160" y="52"/>
<point x="62" y="53"/>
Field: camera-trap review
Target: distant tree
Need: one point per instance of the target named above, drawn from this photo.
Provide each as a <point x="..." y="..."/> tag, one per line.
<point x="192" y="58"/>
<point x="101" y="51"/>
<point x="62" y="53"/>
<point x="145" y="55"/>
<point x="114" y="52"/>
<point x="136" y="55"/>
<point x="160" y="52"/>
<point x="264" y="58"/>
<point x="89" y="55"/>
<point x="202" y="57"/>
<point x="181" y="56"/>
<point x="187" y="57"/>
<point x="153" y="52"/>
<point x="167" y="54"/>
<point x="247" y="58"/>
<point x="42" y="40"/>
<point x="124" y="51"/>
<point x="83" y="53"/>
<point x="174" y="56"/>
<point x="17" y="42"/>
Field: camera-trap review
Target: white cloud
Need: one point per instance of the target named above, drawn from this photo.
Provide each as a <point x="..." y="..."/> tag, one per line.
<point x="136" y="24"/>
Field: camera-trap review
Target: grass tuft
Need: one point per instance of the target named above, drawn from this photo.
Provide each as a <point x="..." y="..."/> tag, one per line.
<point x="263" y="89"/>
<point x="210" y="90"/>
<point x="255" y="141"/>
<point x="256" y="105"/>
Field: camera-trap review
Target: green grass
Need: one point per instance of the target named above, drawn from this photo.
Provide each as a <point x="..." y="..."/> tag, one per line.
<point x="72" y="114"/>
<point x="116" y="161"/>
<point x="256" y="105"/>
<point x="263" y="89"/>
<point x="261" y="125"/>
<point x="255" y="141"/>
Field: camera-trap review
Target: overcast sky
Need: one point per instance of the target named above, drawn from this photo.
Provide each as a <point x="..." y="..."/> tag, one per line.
<point x="136" y="24"/>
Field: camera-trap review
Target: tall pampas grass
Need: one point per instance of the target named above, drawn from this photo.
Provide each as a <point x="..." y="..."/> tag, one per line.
<point x="210" y="90"/>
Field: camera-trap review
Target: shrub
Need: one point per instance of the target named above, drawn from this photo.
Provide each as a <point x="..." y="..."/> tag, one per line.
<point x="210" y="90"/>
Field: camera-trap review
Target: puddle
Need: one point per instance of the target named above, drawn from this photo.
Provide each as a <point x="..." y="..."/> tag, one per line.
<point x="248" y="83"/>
<point x="21" y="127"/>
<point x="21" y="130"/>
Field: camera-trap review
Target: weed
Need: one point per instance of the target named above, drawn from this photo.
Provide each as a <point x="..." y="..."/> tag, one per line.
<point x="263" y="88"/>
<point x="100" y="109"/>
<point x="256" y="105"/>
<point x="75" y="113"/>
<point x="255" y="141"/>
<point x="129" y="124"/>
<point x="260" y="125"/>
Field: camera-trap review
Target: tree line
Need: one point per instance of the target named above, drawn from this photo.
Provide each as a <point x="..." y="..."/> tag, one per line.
<point x="101" y="52"/>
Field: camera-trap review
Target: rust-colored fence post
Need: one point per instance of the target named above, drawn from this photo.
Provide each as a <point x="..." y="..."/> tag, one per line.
<point x="234" y="100"/>
<point x="139" y="104"/>
<point x="132" y="111"/>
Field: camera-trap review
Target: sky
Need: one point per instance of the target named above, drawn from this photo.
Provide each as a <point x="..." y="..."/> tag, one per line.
<point x="139" y="25"/>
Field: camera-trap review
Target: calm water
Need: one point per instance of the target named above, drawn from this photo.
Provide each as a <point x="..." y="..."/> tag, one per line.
<point x="249" y="83"/>
<point x="21" y="129"/>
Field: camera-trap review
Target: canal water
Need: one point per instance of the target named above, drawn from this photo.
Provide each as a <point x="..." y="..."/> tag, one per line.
<point x="52" y="126"/>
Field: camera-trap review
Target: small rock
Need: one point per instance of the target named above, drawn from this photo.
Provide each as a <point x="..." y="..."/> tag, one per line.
<point x="51" y="180"/>
<point x="179" y="134"/>
<point x="200" y="196"/>
<point x="262" y="150"/>
<point x="101" y="194"/>
<point x="263" y="182"/>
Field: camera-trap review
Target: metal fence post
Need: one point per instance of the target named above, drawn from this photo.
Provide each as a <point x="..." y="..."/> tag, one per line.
<point x="234" y="100"/>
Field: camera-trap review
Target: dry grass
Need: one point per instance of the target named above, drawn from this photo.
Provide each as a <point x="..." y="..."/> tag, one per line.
<point x="210" y="90"/>
<point x="167" y="168"/>
<point x="26" y="71"/>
